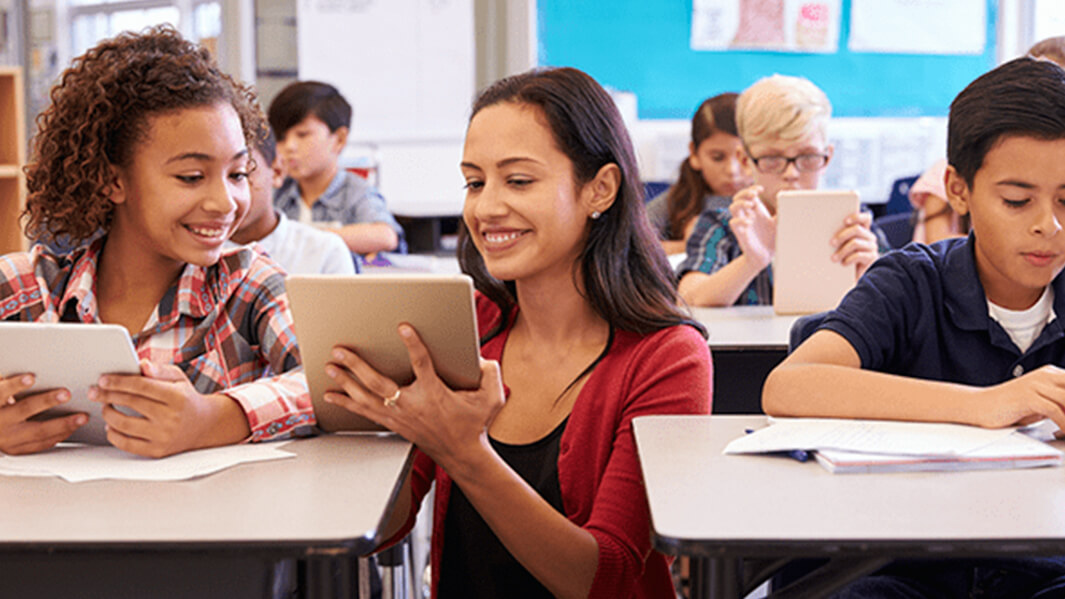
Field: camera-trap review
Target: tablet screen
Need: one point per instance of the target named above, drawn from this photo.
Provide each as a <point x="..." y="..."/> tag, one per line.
<point x="362" y="312"/>
<point x="71" y="356"/>
<point x="805" y="279"/>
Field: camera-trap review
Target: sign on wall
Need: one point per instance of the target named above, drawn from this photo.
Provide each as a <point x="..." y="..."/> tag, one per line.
<point x="776" y="25"/>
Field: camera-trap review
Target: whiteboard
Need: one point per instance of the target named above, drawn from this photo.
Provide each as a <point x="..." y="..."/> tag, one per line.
<point x="406" y="66"/>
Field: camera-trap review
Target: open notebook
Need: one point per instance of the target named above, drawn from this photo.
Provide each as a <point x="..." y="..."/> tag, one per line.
<point x="842" y="445"/>
<point x="1017" y="450"/>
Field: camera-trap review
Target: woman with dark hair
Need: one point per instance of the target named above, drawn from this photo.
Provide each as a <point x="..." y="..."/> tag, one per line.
<point x="712" y="168"/>
<point x="538" y="487"/>
<point x="141" y="165"/>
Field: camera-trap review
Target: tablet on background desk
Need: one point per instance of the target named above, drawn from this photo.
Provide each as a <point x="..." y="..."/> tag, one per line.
<point x="805" y="279"/>
<point x="71" y="356"/>
<point x="363" y="313"/>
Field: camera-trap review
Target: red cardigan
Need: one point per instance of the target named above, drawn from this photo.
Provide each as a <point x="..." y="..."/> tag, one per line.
<point x="666" y="372"/>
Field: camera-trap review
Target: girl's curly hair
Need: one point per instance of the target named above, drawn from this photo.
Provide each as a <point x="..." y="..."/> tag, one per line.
<point x="99" y="113"/>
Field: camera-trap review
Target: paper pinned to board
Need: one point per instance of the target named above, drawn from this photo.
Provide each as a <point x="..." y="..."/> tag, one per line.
<point x="79" y="463"/>
<point x="867" y="436"/>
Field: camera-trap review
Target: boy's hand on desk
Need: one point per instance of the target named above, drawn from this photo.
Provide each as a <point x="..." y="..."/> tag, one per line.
<point x="20" y="436"/>
<point x="1025" y="399"/>
<point x="447" y="425"/>
<point x="173" y="416"/>
<point x="752" y="225"/>
<point x="855" y="243"/>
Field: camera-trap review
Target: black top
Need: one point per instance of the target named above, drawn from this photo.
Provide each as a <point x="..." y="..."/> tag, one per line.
<point x="474" y="562"/>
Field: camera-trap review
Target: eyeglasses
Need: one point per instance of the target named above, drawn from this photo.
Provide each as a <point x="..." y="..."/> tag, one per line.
<point x="774" y="165"/>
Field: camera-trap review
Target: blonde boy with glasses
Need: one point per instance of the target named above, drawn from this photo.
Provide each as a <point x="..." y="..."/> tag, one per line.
<point x="782" y="121"/>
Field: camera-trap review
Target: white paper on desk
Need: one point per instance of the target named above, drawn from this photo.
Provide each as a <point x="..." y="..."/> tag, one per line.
<point x="1017" y="450"/>
<point x="78" y="463"/>
<point x="867" y="436"/>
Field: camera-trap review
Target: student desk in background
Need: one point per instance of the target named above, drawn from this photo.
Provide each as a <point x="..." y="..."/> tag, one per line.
<point x="325" y="507"/>
<point x="746" y="342"/>
<point x="739" y="516"/>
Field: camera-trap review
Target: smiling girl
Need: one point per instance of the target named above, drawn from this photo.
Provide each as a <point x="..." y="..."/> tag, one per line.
<point x="538" y="487"/>
<point x="141" y="163"/>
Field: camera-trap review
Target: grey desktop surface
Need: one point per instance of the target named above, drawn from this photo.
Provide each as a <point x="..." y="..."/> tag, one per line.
<point x="706" y="503"/>
<point x="333" y="496"/>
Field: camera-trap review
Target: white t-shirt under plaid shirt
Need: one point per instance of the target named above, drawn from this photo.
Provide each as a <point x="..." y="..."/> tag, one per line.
<point x="227" y="326"/>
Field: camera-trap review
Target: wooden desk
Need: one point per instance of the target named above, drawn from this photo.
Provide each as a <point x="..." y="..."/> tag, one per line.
<point x="721" y="509"/>
<point x="746" y="343"/>
<point x="325" y="507"/>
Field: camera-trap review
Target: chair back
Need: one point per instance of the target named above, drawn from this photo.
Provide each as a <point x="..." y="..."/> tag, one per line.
<point x="897" y="228"/>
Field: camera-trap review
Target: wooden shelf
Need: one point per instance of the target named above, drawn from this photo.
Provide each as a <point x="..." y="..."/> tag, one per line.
<point x="12" y="157"/>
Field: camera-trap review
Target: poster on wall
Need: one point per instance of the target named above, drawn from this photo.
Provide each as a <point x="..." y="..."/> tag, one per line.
<point x="924" y="27"/>
<point x="774" y="25"/>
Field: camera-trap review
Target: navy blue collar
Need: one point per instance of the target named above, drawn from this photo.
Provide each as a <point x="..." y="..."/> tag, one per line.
<point x="963" y="293"/>
<point x="966" y="301"/>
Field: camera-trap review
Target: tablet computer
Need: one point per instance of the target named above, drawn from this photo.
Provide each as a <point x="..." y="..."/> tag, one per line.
<point x="805" y="279"/>
<point x="362" y="312"/>
<point x="71" y="356"/>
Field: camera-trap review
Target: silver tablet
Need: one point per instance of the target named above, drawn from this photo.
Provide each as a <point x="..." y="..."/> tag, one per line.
<point x="362" y="312"/>
<point x="71" y="356"/>
<point x="805" y="279"/>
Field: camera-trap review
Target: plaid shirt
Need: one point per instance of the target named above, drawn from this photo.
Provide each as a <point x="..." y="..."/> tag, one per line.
<point x="228" y="327"/>
<point x="712" y="245"/>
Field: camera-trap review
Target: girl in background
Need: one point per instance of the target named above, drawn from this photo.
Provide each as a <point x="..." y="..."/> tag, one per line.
<point x="713" y="168"/>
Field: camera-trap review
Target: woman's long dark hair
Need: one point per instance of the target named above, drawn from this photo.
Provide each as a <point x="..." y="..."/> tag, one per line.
<point x="685" y="197"/>
<point x="626" y="277"/>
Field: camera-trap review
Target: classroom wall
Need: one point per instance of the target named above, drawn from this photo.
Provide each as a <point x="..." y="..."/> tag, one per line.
<point x="889" y="109"/>
<point x="643" y="47"/>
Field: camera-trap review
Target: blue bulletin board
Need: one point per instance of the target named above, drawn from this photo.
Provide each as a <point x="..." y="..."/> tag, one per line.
<point x="642" y="46"/>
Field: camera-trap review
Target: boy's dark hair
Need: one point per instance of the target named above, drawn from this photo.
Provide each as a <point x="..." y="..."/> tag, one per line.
<point x="266" y="145"/>
<point x="1023" y="97"/>
<point x="304" y="98"/>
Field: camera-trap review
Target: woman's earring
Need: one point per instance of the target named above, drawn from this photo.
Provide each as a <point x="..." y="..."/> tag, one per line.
<point x="596" y="215"/>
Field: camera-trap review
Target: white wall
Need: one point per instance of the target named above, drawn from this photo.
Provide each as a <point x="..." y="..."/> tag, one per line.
<point x="870" y="153"/>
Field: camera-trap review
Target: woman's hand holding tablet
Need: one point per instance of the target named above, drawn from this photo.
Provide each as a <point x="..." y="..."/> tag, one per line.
<point x="426" y="412"/>
<point x="363" y="312"/>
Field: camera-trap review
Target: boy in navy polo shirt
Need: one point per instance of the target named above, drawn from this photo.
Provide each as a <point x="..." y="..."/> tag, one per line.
<point x="964" y="330"/>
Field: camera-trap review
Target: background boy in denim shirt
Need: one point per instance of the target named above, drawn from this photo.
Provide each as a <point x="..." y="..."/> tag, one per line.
<point x="312" y="121"/>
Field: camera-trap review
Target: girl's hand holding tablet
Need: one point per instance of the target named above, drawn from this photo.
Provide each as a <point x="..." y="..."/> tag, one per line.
<point x="19" y="435"/>
<point x="447" y="425"/>
<point x="173" y="416"/>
